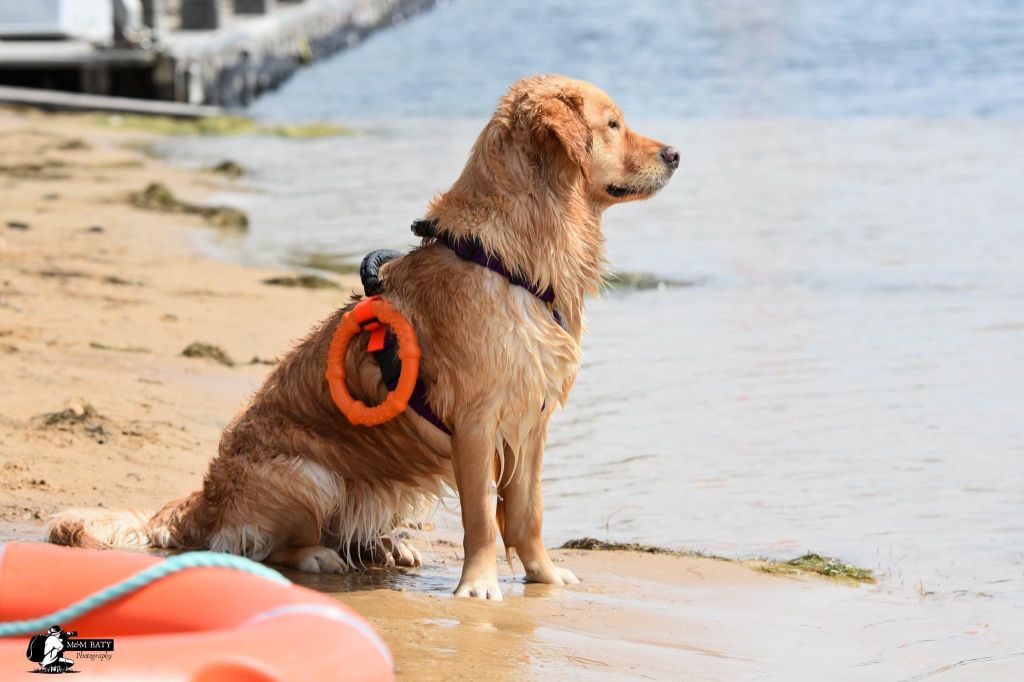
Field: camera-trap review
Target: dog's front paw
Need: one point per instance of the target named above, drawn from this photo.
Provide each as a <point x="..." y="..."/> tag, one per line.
<point x="481" y="588"/>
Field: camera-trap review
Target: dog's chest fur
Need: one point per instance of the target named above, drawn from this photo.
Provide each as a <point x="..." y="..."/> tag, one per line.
<point x="492" y="350"/>
<point x="536" y="361"/>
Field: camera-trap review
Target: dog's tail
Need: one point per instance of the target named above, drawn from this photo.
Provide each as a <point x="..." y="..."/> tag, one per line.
<point x="176" y="525"/>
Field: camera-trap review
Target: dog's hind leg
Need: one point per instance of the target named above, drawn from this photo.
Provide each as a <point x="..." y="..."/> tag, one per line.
<point x="389" y="550"/>
<point x="274" y="509"/>
<point x="311" y="559"/>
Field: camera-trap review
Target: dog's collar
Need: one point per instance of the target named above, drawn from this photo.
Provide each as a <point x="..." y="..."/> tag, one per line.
<point x="470" y="248"/>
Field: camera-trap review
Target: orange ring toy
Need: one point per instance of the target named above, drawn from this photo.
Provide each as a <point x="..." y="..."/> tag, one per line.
<point x="372" y="314"/>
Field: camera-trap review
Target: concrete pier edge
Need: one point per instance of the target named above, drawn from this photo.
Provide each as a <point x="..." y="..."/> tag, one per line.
<point x="233" y="66"/>
<point x="222" y="53"/>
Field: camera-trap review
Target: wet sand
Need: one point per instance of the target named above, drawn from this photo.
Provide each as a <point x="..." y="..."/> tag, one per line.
<point x="98" y="299"/>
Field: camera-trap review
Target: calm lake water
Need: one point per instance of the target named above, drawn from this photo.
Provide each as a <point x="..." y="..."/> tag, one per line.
<point x="845" y="373"/>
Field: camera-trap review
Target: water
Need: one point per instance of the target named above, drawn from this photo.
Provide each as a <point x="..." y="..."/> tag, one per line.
<point x="701" y="58"/>
<point x="847" y="373"/>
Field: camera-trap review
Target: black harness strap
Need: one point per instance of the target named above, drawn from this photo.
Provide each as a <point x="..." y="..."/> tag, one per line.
<point x="387" y="357"/>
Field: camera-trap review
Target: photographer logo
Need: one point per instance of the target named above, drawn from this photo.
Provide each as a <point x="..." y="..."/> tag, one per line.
<point x="57" y="650"/>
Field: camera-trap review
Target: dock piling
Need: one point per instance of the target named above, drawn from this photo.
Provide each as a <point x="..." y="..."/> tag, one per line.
<point x="204" y="14"/>
<point x="254" y="6"/>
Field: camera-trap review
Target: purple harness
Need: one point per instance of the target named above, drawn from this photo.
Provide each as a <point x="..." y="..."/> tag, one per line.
<point x="466" y="248"/>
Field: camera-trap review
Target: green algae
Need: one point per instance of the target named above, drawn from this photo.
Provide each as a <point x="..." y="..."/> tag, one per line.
<point x="302" y="281"/>
<point x="228" y="168"/>
<point x="157" y="197"/>
<point x="336" y="263"/>
<point x="219" y="125"/>
<point x="828" y="567"/>
<point x="603" y="546"/>
<point x="643" y="281"/>
<point x="119" y="349"/>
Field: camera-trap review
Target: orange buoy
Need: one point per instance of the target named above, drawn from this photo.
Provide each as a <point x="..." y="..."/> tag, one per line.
<point x="372" y="314"/>
<point x="205" y="624"/>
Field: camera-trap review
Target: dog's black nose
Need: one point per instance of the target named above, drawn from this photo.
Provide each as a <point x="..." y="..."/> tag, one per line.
<point x="670" y="155"/>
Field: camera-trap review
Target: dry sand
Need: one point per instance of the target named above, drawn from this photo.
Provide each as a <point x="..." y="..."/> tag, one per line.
<point x="99" y="298"/>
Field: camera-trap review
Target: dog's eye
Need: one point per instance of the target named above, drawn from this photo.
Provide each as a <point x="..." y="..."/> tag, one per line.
<point x="613" y="123"/>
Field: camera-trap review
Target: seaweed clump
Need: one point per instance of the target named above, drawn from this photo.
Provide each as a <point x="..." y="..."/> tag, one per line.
<point x="78" y="417"/>
<point x="302" y="281"/>
<point x="157" y="197"/>
<point x="198" y="349"/>
<point x="830" y="567"/>
<point x="228" y="168"/>
<point x="48" y="169"/>
<point x="594" y="544"/>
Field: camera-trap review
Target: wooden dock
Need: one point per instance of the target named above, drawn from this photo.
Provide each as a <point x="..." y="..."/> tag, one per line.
<point x="201" y="52"/>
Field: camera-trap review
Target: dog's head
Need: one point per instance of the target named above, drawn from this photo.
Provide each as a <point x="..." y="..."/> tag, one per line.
<point x="571" y="127"/>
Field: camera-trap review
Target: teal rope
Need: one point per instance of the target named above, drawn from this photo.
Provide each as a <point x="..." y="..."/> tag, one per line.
<point x="132" y="583"/>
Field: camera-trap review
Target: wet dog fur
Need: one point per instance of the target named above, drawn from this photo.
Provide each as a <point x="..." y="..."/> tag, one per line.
<point x="294" y="483"/>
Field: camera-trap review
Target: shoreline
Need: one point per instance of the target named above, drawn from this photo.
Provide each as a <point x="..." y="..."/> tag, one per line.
<point x="98" y="301"/>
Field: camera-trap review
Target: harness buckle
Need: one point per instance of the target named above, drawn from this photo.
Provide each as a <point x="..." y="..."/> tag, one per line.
<point x="367" y="320"/>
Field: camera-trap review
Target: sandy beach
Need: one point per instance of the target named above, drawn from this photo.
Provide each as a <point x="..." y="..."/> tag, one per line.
<point x="99" y="407"/>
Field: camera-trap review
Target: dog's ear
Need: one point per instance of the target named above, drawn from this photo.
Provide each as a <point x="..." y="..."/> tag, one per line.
<point x="561" y="115"/>
<point x="550" y="114"/>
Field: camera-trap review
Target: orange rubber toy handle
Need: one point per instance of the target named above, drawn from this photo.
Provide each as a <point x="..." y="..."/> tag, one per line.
<point x="408" y="351"/>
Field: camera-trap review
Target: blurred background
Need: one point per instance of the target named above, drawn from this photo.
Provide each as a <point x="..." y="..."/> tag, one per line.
<point x="818" y="339"/>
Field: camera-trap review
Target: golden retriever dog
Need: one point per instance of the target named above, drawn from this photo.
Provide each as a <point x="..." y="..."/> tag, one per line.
<point x="296" y="484"/>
